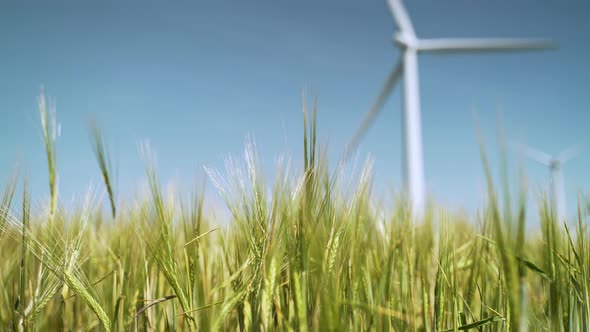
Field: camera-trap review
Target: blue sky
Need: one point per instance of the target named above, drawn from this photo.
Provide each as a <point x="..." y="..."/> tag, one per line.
<point x="196" y="77"/>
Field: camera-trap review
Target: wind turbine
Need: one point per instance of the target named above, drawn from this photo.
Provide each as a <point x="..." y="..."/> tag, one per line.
<point x="411" y="46"/>
<point x="554" y="163"/>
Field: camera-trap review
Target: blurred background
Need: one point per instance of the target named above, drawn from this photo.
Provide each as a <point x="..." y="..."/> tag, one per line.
<point x="195" y="78"/>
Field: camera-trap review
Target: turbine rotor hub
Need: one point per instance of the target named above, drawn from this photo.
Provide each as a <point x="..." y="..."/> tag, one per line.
<point x="405" y="40"/>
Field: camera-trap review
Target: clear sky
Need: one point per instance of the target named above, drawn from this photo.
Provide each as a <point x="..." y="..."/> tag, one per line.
<point x="196" y="77"/>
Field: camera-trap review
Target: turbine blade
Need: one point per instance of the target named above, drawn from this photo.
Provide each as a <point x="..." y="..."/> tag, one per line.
<point x="538" y="156"/>
<point x="483" y="44"/>
<point x="401" y="17"/>
<point x="375" y="109"/>
<point x="569" y="153"/>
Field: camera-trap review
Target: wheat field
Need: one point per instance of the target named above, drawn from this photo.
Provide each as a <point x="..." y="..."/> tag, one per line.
<point x="316" y="252"/>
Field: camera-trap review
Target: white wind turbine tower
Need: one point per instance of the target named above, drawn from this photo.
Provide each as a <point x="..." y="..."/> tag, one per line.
<point x="407" y="66"/>
<point x="555" y="164"/>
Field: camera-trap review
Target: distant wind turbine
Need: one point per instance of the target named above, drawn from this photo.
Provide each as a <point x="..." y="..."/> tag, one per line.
<point x="407" y="66"/>
<point x="555" y="164"/>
